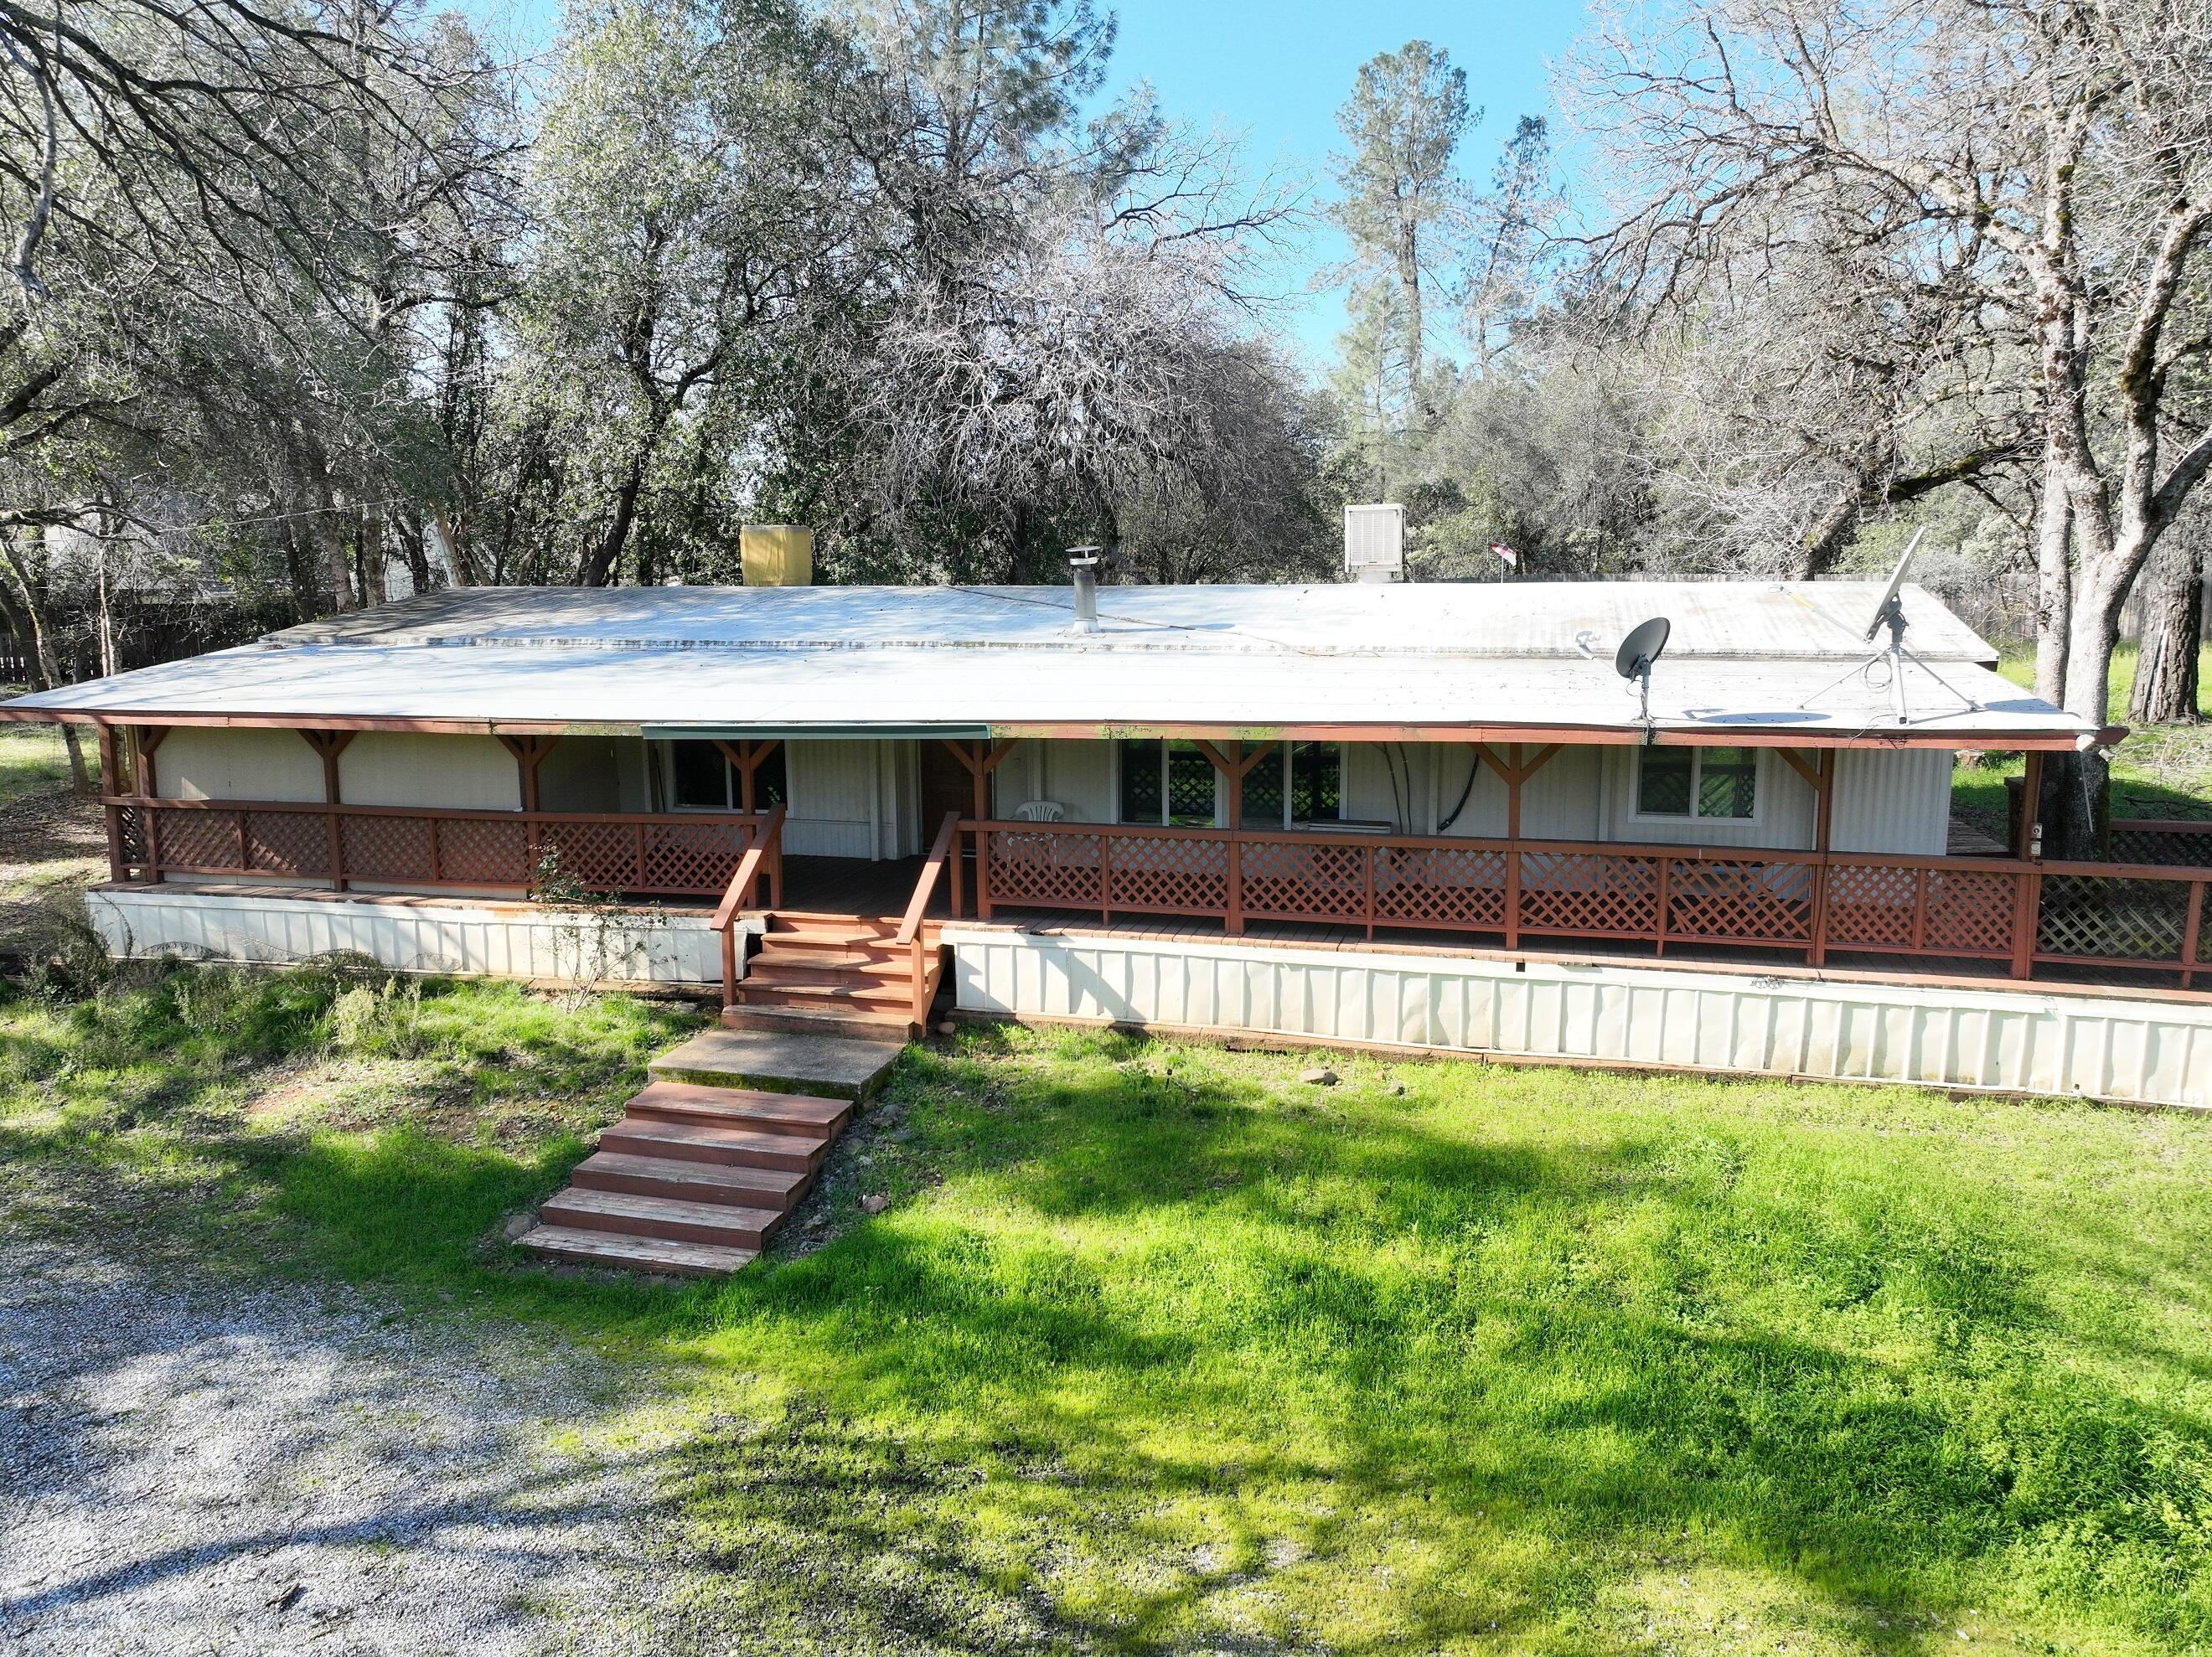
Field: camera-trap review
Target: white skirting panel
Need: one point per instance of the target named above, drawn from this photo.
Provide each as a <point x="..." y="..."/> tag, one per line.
<point x="2118" y="1049"/>
<point x="427" y="936"/>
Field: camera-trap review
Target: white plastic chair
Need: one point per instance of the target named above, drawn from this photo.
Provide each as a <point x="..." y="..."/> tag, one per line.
<point x="1041" y="810"/>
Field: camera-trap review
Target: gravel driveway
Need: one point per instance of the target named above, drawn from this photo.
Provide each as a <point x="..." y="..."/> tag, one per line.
<point x="201" y="1469"/>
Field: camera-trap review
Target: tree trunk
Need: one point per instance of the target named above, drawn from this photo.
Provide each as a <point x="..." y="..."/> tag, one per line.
<point x="2054" y="584"/>
<point x="372" y="555"/>
<point x="46" y="661"/>
<point x="2164" y="687"/>
<point x="600" y="567"/>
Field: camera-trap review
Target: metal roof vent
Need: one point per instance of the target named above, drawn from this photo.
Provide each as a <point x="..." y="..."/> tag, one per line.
<point x="1083" y="562"/>
<point x="1374" y="543"/>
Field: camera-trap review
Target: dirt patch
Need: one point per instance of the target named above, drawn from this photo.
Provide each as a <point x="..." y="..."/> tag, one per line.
<point x="52" y="845"/>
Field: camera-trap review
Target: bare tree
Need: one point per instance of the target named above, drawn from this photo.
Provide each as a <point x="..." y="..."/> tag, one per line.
<point x="2049" y="158"/>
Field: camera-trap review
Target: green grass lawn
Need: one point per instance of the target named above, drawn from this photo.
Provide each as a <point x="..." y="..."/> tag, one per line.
<point x="1156" y="1348"/>
<point x="33" y="759"/>
<point x="2163" y="771"/>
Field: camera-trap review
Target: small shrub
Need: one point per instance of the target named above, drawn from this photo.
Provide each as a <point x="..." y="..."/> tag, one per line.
<point x="385" y="1021"/>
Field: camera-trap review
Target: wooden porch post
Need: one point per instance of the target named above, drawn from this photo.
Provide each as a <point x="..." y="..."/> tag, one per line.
<point x="2031" y="805"/>
<point x="982" y="758"/>
<point x="529" y="753"/>
<point x="1513" y="771"/>
<point x="747" y="757"/>
<point x="1820" y="774"/>
<point x="110" y="782"/>
<point x="1235" y="765"/>
<point x="144" y="740"/>
<point x="330" y="744"/>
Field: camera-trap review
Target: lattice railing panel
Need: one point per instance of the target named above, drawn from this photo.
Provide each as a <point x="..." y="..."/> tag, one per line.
<point x="478" y="851"/>
<point x="1752" y="900"/>
<point x="1441" y="887"/>
<point x="1871" y="906"/>
<point x="692" y="857"/>
<point x="1593" y="892"/>
<point x="1047" y="871"/>
<point x="1969" y="913"/>
<point x="599" y="857"/>
<point x="1316" y="881"/>
<point x="387" y="848"/>
<point x="2099" y="917"/>
<point x="130" y="825"/>
<point x="292" y="843"/>
<point x="1170" y="873"/>
<point x="198" y="840"/>
<point x="2184" y="848"/>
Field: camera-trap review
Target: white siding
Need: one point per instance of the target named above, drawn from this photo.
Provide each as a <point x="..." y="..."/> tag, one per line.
<point x="401" y="767"/>
<point x="2100" y="1046"/>
<point x="582" y="773"/>
<point x="1077" y="775"/>
<point x="440" y="935"/>
<point x="1370" y="794"/>
<point x="835" y="796"/>
<point x="1892" y="800"/>
<point x="197" y="761"/>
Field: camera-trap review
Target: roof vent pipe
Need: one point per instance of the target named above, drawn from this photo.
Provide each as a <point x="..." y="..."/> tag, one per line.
<point x="1083" y="562"/>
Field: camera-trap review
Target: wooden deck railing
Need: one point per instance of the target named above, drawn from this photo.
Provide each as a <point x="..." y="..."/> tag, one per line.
<point x="2169" y="841"/>
<point x="641" y="854"/>
<point x="926" y="965"/>
<point x="2020" y="912"/>
<point x="767" y="848"/>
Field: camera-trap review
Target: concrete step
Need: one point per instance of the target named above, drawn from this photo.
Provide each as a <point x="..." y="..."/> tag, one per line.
<point x="626" y="1253"/>
<point x="669" y="1218"/>
<point x="813" y="1056"/>
<point x="692" y="1182"/>
<point x="693" y="1141"/>
<point x="887" y="1030"/>
<point x="801" y="1113"/>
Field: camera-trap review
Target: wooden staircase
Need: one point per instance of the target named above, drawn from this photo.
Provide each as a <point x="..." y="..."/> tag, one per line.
<point x="692" y="1180"/>
<point x="841" y="974"/>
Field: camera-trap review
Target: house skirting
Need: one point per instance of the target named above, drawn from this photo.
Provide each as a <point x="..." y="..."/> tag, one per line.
<point x="2098" y="1044"/>
<point x="469" y="936"/>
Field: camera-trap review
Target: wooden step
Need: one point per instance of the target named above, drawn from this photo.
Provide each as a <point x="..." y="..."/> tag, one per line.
<point x="850" y="993"/>
<point x="671" y="1218"/>
<point x="782" y="925"/>
<point x="802" y="1114"/>
<point x="834" y="958"/>
<point x="825" y="1061"/>
<point x="888" y="974"/>
<point x="776" y="1188"/>
<point x="693" y="1141"/>
<point x="621" y="1253"/>
<point x="886" y="1028"/>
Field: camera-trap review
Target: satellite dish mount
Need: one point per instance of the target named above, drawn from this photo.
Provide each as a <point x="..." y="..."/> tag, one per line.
<point x="1643" y="645"/>
<point x="1889" y="616"/>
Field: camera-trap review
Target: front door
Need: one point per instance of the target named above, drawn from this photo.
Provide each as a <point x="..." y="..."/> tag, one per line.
<point x="946" y="786"/>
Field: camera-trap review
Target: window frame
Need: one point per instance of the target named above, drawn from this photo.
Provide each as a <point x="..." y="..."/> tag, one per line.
<point x="1284" y="751"/>
<point x="731" y="791"/>
<point x="1638" y="815"/>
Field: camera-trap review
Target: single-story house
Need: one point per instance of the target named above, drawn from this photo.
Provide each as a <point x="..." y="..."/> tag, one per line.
<point x="1407" y="814"/>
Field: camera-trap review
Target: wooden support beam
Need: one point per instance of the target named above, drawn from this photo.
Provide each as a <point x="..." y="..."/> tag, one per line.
<point x="747" y="757"/>
<point x="111" y="783"/>
<point x="530" y="752"/>
<point x="982" y="759"/>
<point x="330" y="744"/>
<point x="2030" y="806"/>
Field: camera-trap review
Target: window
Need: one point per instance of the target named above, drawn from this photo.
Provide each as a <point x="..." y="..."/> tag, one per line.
<point x="1174" y="783"/>
<point x="702" y="778"/>
<point x="1167" y="782"/>
<point x="1702" y="782"/>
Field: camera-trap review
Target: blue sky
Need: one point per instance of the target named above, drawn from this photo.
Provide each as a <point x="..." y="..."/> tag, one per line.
<point x="1276" y="73"/>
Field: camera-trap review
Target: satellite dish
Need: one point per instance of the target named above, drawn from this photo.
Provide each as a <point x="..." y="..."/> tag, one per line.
<point x="1633" y="660"/>
<point x="1642" y="648"/>
<point x="1889" y="609"/>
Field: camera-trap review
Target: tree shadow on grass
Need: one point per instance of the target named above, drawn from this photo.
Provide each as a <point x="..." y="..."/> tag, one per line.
<point x="1549" y="1360"/>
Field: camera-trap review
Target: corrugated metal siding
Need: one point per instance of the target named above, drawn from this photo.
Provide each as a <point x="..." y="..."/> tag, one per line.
<point x="450" y="937"/>
<point x="2111" y="1048"/>
<point x="237" y="762"/>
<point x="399" y="767"/>
<point x="1895" y="800"/>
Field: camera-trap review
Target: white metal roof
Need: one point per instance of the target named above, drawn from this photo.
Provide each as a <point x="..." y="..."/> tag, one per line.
<point x="1761" y="661"/>
<point x="1751" y="621"/>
